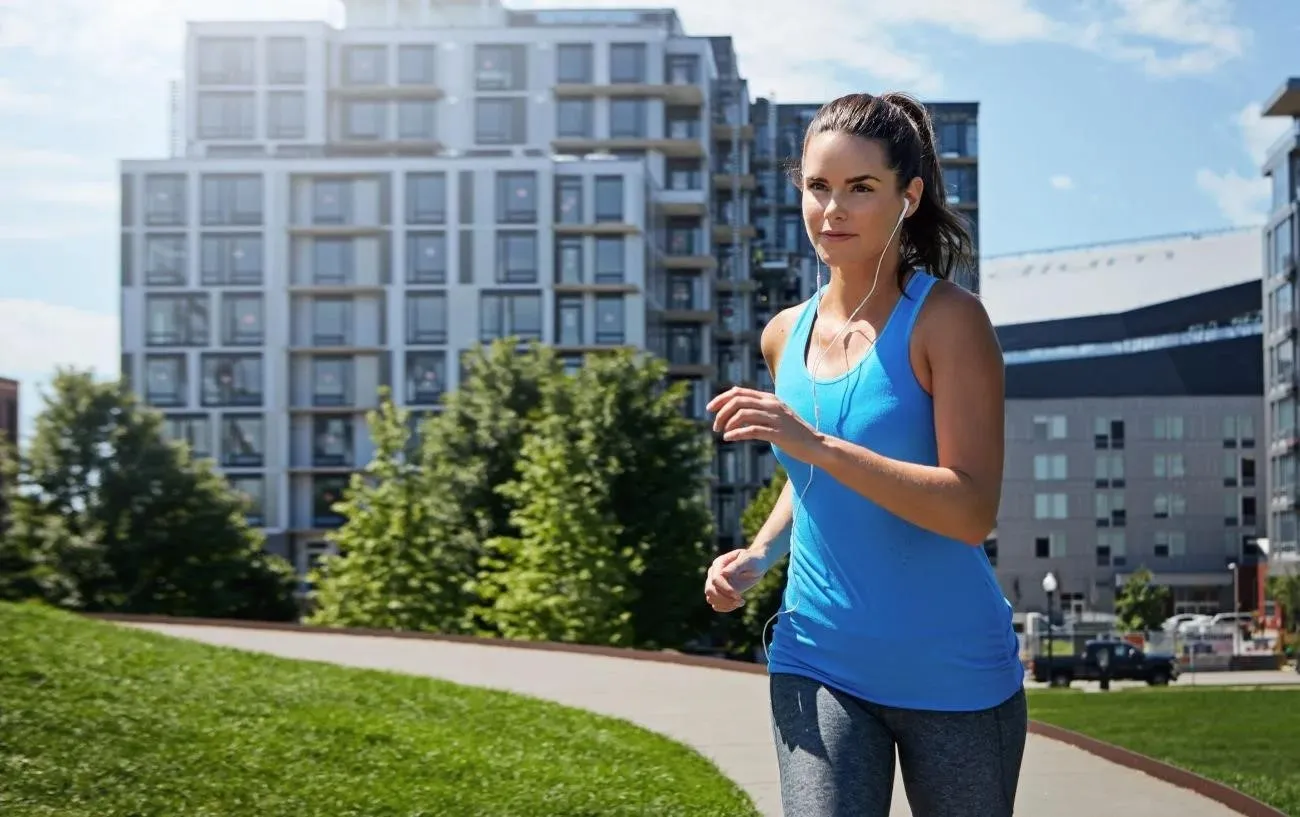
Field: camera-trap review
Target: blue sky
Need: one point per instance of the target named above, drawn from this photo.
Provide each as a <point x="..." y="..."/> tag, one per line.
<point x="1118" y="119"/>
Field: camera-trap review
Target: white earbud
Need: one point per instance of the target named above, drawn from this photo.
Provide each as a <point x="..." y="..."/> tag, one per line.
<point x="907" y="205"/>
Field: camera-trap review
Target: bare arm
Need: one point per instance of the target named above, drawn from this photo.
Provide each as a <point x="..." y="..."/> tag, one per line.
<point x="959" y="497"/>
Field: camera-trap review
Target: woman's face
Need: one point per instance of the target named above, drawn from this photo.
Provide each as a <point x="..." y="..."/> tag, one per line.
<point x="851" y="201"/>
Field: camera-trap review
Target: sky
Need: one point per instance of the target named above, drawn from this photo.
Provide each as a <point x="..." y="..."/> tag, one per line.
<point x="1100" y="120"/>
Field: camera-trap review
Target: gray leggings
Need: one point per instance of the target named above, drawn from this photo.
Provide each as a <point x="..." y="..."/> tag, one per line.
<point x="836" y="754"/>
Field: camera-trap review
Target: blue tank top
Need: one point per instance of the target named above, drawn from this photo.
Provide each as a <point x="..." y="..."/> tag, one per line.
<point x="885" y="610"/>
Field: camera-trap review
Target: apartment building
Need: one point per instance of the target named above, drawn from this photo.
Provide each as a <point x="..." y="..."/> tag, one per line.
<point x="1133" y="420"/>
<point x="353" y="207"/>
<point x="1281" y="238"/>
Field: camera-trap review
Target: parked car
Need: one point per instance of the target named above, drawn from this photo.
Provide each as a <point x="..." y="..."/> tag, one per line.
<point x="1126" y="663"/>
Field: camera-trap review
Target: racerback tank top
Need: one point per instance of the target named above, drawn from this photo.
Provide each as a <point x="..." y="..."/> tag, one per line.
<point x="884" y="609"/>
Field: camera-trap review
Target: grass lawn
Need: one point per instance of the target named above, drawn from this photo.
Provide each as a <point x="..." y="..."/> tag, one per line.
<point x="1246" y="738"/>
<point x="101" y="721"/>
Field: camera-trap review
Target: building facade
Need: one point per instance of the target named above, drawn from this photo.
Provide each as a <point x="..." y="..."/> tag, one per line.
<point x="353" y="207"/>
<point x="9" y="409"/>
<point x="1281" y="249"/>
<point x="1134" y="419"/>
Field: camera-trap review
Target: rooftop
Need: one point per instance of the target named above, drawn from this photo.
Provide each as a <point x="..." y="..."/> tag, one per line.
<point x="1115" y="277"/>
<point x="1285" y="101"/>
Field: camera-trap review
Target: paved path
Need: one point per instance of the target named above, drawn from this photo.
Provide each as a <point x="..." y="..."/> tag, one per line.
<point x="722" y="714"/>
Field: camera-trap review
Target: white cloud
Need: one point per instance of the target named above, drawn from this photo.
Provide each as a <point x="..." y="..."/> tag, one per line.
<point x="1062" y="182"/>
<point x="14" y="100"/>
<point x="1243" y="200"/>
<point x="1203" y="27"/>
<point x="13" y="157"/>
<point x="36" y="337"/>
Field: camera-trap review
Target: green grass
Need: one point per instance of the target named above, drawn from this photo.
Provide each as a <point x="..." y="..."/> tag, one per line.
<point x="97" y="720"/>
<point x="1243" y="737"/>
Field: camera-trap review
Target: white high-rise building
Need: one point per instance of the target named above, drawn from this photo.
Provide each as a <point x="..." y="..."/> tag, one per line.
<point x="353" y="207"/>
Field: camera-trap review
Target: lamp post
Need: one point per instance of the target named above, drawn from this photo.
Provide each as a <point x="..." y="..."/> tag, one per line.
<point x="1236" y="608"/>
<point x="1049" y="587"/>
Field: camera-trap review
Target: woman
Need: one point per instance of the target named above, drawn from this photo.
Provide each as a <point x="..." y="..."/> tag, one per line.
<point x="888" y="418"/>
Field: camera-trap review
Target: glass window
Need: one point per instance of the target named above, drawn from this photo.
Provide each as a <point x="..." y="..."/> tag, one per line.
<point x="165" y="260"/>
<point x="331" y="320"/>
<point x="500" y="67"/>
<point x="365" y="65"/>
<point x="331" y="380"/>
<point x="232" y="200"/>
<point x="609" y="259"/>
<point x="627" y="118"/>
<point x="627" y="63"/>
<point x="568" y="260"/>
<point x="230" y="259"/>
<point x="426" y="318"/>
<point x="227" y="115"/>
<point x="516" y="198"/>
<point x="327" y="491"/>
<point x="568" y="200"/>
<point x="517" y="257"/>
<point x="516" y="314"/>
<point x="286" y="59"/>
<point x="426" y="375"/>
<point x="426" y="258"/>
<point x="683" y="69"/>
<point x="364" y="119"/>
<point x="176" y="320"/>
<point x="242" y="441"/>
<point x="286" y="116"/>
<point x="417" y="65"/>
<point x="426" y="198"/>
<point x="575" y="119"/>
<point x="331" y="201"/>
<point x="573" y="63"/>
<point x="164" y="380"/>
<point x="242" y="320"/>
<point x="332" y="441"/>
<point x="226" y="60"/>
<point x="611" y="316"/>
<point x="568" y="321"/>
<point x="500" y="121"/>
<point x="609" y="199"/>
<point x="232" y="380"/>
<point x="332" y="261"/>
<point x="164" y="200"/>
<point x="251" y="488"/>
<point x="416" y="120"/>
<point x="193" y="430"/>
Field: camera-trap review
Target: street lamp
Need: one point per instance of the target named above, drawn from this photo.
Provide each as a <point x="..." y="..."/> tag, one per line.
<point x="1236" y="608"/>
<point x="1049" y="587"/>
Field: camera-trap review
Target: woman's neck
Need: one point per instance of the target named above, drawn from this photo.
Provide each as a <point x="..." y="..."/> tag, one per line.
<point x="848" y="288"/>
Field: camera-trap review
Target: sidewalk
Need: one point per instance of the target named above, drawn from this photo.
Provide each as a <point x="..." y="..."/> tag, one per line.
<point x="722" y="714"/>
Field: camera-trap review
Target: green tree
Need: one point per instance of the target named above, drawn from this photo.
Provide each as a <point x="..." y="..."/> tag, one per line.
<point x="1284" y="590"/>
<point x="564" y="578"/>
<point x="117" y="519"/>
<point x="394" y="569"/>
<point x="1141" y="605"/>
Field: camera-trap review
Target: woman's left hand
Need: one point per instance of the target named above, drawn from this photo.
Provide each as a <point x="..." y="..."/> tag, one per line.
<point x="748" y="414"/>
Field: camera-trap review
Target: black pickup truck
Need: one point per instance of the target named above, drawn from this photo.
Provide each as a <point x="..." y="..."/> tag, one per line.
<point x="1126" y="663"/>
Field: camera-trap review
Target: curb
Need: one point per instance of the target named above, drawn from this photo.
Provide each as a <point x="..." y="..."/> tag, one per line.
<point x="1218" y="792"/>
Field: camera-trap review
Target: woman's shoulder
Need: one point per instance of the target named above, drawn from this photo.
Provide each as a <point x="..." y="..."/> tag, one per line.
<point x="777" y="333"/>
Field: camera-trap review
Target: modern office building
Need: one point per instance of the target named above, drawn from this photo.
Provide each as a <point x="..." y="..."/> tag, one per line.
<point x="350" y="208"/>
<point x="1134" y="417"/>
<point x="1281" y="319"/>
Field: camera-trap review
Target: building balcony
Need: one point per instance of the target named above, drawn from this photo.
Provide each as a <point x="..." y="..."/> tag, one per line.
<point x="686" y="314"/>
<point x="724" y="132"/>
<point x="388" y="91"/>
<point x="387" y="147"/>
<point x="728" y="181"/>
<point x="598" y="228"/>
<point x="733" y="285"/>
<point x="701" y="370"/>
<point x="595" y="287"/>
<point x="675" y="148"/>
<point x="1283" y="442"/>
<point x="1283" y="387"/>
<point x="729" y="233"/>
<point x="670" y="93"/>
<point x="1283" y="498"/>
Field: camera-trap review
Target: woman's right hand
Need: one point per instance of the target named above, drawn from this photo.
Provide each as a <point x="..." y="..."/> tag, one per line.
<point x="729" y="577"/>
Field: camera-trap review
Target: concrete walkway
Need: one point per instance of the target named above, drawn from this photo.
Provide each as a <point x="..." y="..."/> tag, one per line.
<point x="722" y="714"/>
